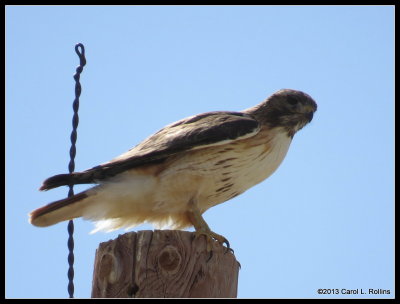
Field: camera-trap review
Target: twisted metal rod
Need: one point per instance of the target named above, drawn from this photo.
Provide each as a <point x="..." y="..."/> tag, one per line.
<point x="80" y="51"/>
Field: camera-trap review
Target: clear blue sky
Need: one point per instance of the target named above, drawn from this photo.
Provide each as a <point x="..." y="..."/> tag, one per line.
<point x="324" y="219"/>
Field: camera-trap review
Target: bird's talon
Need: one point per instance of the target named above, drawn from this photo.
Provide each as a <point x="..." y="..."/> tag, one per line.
<point x="228" y="246"/>
<point x="229" y="249"/>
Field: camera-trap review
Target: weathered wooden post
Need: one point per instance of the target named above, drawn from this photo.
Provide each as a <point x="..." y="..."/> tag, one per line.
<point x="163" y="264"/>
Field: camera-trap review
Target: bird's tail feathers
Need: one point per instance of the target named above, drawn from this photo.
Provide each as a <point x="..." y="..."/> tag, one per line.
<point x="59" y="211"/>
<point x="65" y="180"/>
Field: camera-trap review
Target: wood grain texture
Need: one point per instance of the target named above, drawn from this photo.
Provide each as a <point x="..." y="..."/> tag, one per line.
<point x="163" y="264"/>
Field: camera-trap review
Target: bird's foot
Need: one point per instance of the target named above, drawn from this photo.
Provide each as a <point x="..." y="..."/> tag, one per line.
<point x="202" y="228"/>
<point x="210" y="238"/>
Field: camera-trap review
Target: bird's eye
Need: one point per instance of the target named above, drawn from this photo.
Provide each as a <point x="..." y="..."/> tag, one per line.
<point x="292" y="101"/>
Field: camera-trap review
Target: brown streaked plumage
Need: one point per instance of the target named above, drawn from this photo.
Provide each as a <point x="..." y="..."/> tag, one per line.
<point x="175" y="175"/>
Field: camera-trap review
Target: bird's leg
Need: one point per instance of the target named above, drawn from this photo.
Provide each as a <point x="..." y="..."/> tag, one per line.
<point x="202" y="228"/>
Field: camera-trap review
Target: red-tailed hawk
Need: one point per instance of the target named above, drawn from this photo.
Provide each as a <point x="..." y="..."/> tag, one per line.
<point x="175" y="175"/>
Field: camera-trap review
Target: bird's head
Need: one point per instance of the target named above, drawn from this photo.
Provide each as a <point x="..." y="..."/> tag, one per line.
<point x="286" y="108"/>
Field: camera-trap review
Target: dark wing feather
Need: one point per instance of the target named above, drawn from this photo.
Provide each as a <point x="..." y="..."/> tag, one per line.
<point x="196" y="132"/>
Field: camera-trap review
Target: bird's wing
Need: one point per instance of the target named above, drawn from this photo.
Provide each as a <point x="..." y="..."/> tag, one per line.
<point x="192" y="133"/>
